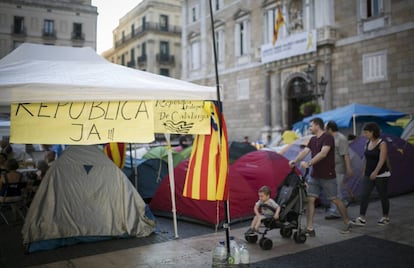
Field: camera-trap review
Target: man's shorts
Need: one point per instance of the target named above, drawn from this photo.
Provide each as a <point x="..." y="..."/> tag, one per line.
<point x="329" y="186"/>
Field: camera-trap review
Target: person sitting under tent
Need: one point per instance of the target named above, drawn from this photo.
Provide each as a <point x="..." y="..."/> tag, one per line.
<point x="6" y="147"/>
<point x="11" y="189"/>
<point x="11" y="175"/>
<point x="50" y="157"/>
<point x="184" y="142"/>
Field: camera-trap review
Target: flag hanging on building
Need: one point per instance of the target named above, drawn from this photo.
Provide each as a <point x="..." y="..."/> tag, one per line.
<point x="278" y="24"/>
<point x="207" y="171"/>
<point x="116" y="152"/>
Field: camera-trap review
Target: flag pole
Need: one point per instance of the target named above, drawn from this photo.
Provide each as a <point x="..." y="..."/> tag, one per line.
<point x="220" y="119"/>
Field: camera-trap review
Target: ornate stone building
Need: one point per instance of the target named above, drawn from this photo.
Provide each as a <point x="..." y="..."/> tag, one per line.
<point x="363" y="49"/>
<point x="65" y="22"/>
<point x="149" y="38"/>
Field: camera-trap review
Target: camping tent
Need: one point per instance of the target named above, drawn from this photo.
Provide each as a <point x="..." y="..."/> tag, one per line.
<point x="348" y="116"/>
<point x="84" y="196"/>
<point x="238" y="149"/>
<point x="150" y="173"/>
<point x="202" y="211"/>
<point x="246" y="176"/>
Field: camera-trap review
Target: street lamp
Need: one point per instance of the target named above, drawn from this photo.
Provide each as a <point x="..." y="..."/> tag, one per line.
<point x="317" y="90"/>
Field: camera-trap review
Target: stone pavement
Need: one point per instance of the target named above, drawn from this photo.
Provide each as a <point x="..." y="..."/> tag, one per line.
<point x="197" y="251"/>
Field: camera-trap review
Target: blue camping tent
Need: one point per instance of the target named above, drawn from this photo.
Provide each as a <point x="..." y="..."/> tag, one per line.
<point x="348" y="116"/>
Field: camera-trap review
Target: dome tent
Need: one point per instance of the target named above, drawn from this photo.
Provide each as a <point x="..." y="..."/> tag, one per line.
<point x="246" y="176"/>
<point x="84" y="197"/>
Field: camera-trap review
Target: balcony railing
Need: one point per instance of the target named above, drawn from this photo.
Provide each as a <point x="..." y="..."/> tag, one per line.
<point x="131" y="63"/>
<point x="147" y="27"/>
<point x="165" y="59"/>
<point x="142" y="59"/>
<point x="78" y="36"/>
<point x="49" y="34"/>
<point x="20" y="31"/>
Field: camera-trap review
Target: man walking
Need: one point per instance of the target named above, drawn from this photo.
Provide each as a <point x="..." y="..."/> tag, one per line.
<point x="322" y="149"/>
<point x="342" y="164"/>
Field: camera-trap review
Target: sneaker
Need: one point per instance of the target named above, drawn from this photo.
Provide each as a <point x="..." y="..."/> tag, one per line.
<point x="359" y="221"/>
<point x="310" y="233"/>
<point x="384" y="221"/>
<point x="347" y="229"/>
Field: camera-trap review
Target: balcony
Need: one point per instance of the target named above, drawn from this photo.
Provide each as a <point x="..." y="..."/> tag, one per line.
<point x="165" y="59"/>
<point x="142" y="60"/>
<point x="131" y="63"/>
<point x="49" y="34"/>
<point x="148" y="27"/>
<point x="18" y="31"/>
<point x="77" y="36"/>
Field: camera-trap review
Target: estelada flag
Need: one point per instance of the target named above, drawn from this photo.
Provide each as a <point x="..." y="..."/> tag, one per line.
<point x="116" y="152"/>
<point x="207" y="171"/>
<point x="278" y="24"/>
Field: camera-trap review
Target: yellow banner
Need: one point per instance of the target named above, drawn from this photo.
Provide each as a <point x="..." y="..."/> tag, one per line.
<point x="102" y="122"/>
<point x="181" y="117"/>
<point x="82" y="122"/>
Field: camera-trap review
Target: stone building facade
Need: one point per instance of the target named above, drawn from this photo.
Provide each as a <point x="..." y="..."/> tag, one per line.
<point x="149" y="38"/>
<point x="361" y="48"/>
<point x="65" y="23"/>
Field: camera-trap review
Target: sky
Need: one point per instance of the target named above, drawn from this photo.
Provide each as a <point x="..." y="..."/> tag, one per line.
<point x="109" y="13"/>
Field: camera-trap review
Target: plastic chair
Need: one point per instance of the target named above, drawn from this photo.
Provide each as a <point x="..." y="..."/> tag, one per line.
<point x="11" y="197"/>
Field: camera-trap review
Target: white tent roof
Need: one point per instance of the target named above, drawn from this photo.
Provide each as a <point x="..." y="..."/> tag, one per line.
<point x="41" y="73"/>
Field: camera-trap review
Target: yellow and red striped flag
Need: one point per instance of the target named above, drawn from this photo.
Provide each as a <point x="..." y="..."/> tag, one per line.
<point x="116" y="152"/>
<point x="278" y="24"/>
<point x="207" y="171"/>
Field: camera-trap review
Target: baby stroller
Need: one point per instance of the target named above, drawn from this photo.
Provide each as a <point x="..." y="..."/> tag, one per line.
<point x="291" y="197"/>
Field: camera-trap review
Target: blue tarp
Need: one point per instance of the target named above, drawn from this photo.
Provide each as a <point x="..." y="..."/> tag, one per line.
<point x="343" y="116"/>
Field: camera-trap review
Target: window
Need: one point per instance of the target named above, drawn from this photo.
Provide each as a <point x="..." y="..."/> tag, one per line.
<point x="220" y="45"/>
<point x="217" y="4"/>
<point x="194" y="14"/>
<point x="164" y="71"/>
<point x="144" y="23"/>
<point x="374" y="66"/>
<point x="18" y="26"/>
<point x="374" y="8"/>
<point x="143" y="49"/>
<point x="49" y="28"/>
<point x="373" y="15"/>
<point x="132" y="30"/>
<point x="270" y="20"/>
<point x="195" y="55"/>
<point x="371" y="8"/>
<point x="77" y="31"/>
<point x="242" y="38"/>
<point x="164" y="22"/>
<point x="164" y="48"/>
<point x="243" y="88"/>
<point x="123" y="59"/>
<point x="132" y="56"/>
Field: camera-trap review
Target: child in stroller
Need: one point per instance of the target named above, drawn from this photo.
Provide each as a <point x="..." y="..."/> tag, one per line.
<point x="265" y="208"/>
<point x="291" y="195"/>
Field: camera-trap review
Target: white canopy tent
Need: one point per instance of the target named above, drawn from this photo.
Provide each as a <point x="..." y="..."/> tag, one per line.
<point x="38" y="73"/>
